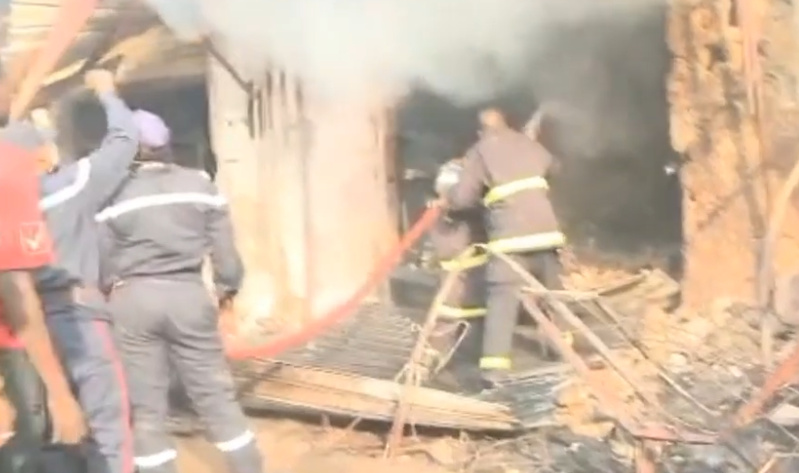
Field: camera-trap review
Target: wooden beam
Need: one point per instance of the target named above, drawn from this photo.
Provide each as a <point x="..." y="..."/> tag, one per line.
<point x="14" y="73"/>
<point x="72" y="16"/>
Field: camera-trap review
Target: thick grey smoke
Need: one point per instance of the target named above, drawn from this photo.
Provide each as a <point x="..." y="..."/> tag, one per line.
<point x="466" y="50"/>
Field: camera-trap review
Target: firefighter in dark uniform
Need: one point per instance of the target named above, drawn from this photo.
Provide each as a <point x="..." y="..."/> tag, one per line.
<point x="453" y="238"/>
<point x="157" y="231"/>
<point x="506" y="173"/>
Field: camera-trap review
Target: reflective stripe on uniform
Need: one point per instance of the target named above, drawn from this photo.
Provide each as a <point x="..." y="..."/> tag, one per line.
<point x="467" y="260"/>
<point x="503" y="191"/>
<point x="84" y="170"/>
<point x="156" y="459"/>
<point x="495" y="363"/>
<point x="236" y="443"/>
<point x="138" y="203"/>
<point x="535" y="242"/>
<point x="450" y="312"/>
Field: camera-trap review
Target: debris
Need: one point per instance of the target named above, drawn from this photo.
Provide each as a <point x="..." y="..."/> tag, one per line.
<point x="678" y="362"/>
<point x="303" y="390"/>
<point x="785" y="415"/>
<point x="678" y="388"/>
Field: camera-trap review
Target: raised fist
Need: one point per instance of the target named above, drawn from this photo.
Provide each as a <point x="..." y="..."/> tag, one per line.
<point x="41" y="118"/>
<point x="100" y="81"/>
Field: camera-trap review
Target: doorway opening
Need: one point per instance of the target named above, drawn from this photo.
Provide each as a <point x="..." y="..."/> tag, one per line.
<point x="618" y="194"/>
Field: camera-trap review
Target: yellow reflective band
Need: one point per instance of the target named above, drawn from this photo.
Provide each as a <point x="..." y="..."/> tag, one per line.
<point x="503" y="191"/>
<point x="450" y="312"/>
<point x="568" y="338"/>
<point x="536" y="242"/>
<point x="466" y="262"/>
<point x="495" y="363"/>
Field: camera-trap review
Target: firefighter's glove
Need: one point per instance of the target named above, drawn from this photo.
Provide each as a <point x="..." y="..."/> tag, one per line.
<point x="100" y="81"/>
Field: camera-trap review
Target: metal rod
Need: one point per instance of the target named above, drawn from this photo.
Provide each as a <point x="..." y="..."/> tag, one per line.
<point x="784" y="374"/>
<point x="208" y="45"/>
<point x="643" y="459"/>
<point x="611" y="402"/>
<point x="404" y="405"/>
<point x="564" y="312"/>
<point x="617" y="409"/>
<point x="765" y="276"/>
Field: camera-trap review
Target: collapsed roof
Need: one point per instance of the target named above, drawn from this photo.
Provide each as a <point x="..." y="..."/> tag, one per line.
<point x="118" y="33"/>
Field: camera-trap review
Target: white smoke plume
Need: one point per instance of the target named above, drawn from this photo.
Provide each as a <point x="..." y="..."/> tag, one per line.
<point x="465" y="50"/>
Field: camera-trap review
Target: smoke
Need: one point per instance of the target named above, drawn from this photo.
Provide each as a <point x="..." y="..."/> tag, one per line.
<point x="465" y="50"/>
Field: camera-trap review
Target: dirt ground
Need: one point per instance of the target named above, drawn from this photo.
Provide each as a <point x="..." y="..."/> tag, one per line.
<point x="300" y="447"/>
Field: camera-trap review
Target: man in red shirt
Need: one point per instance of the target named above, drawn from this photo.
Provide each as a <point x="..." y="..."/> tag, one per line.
<point x="24" y="339"/>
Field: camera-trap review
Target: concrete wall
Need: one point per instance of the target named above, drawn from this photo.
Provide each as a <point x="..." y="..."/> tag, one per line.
<point x="306" y="181"/>
<point x="734" y="164"/>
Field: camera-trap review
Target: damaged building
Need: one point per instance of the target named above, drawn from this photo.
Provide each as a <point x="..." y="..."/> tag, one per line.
<point x="665" y="80"/>
<point x="674" y="121"/>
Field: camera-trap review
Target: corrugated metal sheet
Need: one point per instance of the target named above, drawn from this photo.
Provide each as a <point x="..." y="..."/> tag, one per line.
<point x="118" y="28"/>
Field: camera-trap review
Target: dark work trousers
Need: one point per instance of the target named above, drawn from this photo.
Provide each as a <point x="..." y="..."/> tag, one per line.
<point x="85" y="344"/>
<point x="182" y="419"/>
<point x="465" y="360"/>
<point x="504" y="287"/>
<point x="162" y="323"/>
<point x="26" y="393"/>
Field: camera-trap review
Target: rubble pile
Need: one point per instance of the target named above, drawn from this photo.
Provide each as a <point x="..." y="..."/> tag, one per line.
<point x="700" y="367"/>
<point x="652" y="383"/>
<point x="583" y="275"/>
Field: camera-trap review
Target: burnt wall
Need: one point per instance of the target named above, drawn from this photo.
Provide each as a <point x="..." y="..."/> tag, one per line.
<point x="605" y="81"/>
<point x="736" y="162"/>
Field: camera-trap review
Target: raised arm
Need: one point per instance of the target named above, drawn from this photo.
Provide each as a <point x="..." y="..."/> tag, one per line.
<point x="110" y="163"/>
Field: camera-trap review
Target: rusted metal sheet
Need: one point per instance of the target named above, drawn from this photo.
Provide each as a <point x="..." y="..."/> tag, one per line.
<point x="375" y="342"/>
<point x="532" y="395"/>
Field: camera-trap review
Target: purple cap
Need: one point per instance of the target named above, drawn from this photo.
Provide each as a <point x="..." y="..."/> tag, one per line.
<point x="153" y="132"/>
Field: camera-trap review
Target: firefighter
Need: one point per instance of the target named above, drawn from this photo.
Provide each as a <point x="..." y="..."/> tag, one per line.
<point x="453" y="237"/>
<point x="28" y="360"/>
<point x="506" y="172"/>
<point x="74" y="307"/>
<point x="157" y="232"/>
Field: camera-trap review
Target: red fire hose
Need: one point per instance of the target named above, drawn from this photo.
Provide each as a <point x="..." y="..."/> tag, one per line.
<point x="312" y="329"/>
